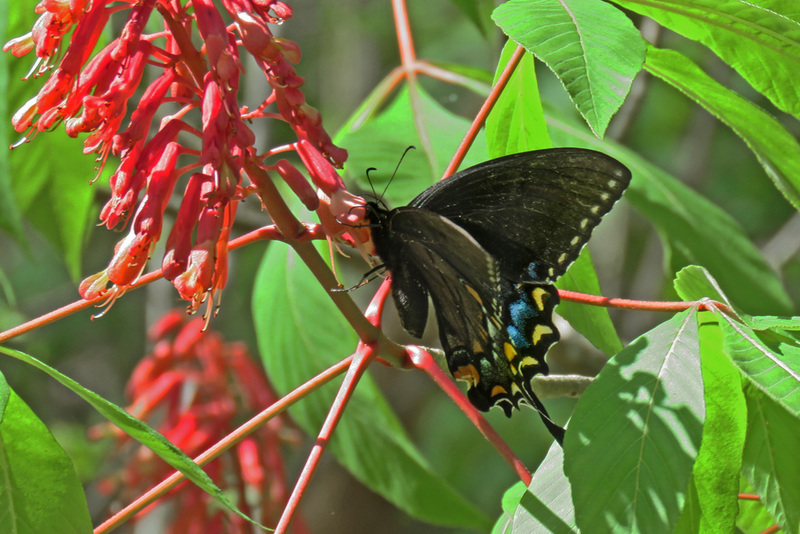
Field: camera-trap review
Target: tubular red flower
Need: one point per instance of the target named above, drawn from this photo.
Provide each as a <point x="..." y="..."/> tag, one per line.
<point x="19" y="46"/>
<point x="298" y="183"/>
<point x="23" y="118"/>
<point x="130" y="36"/>
<point x="250" y="463"/>
<point x="87" y="32"/>
<point x="91" y="94"/>
<point x="132" y="173"/>
<point x="179" y="243"/>
<point x="142" y="116"/>
<point x="198" y="386"/>
<point x="322" y="172"/>
<point x="342" y="216"/>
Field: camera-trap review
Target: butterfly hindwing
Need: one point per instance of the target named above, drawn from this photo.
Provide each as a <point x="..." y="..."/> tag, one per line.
<point x="500" y="375"/>
<point x="532" y="211"/>
<point x="411" y="298"/>
<point x="494" y="333"/>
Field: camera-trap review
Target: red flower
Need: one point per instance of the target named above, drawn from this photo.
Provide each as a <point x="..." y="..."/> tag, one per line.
<point x="196" y="389"/>
<point x="93" y="95"/>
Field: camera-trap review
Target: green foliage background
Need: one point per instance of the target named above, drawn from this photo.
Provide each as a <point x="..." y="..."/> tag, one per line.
<point x="709" y="130"/>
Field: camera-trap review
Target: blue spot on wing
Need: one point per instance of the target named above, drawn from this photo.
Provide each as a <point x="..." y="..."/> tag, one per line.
<point x="522" y="312"/>
<point x="537" y="272"/>
<point x="517" y="337"/>
<point x="532" y="269"/>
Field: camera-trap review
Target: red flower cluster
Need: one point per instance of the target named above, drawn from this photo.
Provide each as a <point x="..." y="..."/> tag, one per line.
<point x="91" y="95"/>
<point x="199" y="389"/>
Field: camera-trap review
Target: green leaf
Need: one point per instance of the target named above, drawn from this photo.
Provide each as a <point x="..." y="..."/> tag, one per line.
<point x="300" y="333"/>
<point x="770" y="457"/>
<point x="637" y="429"/>
<point x="766" y="322"/>
<point x="716" y="473"/>
<point x="689" y="521"/>
<point x="516" y="122"/>
<point x="135" y="428"/>
<point x="696" y="231"/>
<point x="593" y="322"/>
<point x="478" y="12"/>
<point x="49" y="177"/>
<point x="592" y="47"/>
<point x="63" y="205"/>
<point x="776" y="148"/>
<point x="510" y="502"/>
<point x="774" y="368"/>
<point x="10" y="214"/>
<point x="39" y="490"/>
<point x="695" y="283"/>
<point x="753" y="515"/>
<point x="546" y="506"/>
<point x="382" y="140"/>
<point x="758" y="38"/>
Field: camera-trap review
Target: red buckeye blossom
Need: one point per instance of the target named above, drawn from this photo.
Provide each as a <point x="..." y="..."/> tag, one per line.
<point x="196" y="389"/>
<point x="166" y="104"/>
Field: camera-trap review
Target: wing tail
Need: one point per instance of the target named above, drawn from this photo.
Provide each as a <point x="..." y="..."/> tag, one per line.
<point x="530" y="397"/>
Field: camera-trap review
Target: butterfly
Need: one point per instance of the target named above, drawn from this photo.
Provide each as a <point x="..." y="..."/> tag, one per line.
<point x="486" y="245"/>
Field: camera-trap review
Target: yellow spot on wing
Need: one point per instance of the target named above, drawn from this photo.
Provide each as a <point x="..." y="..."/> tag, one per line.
<point x="539" y="295"/>
<point x="528" y="360"/>
<point x="539" y="331"/>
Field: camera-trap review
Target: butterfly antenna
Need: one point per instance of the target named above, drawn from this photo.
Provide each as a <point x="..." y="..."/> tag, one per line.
<point x="371" y="186"/>
<point x="410" y="147"/>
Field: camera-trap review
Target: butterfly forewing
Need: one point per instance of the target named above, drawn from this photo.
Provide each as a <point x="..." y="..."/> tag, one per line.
<point x="532" y="211"/>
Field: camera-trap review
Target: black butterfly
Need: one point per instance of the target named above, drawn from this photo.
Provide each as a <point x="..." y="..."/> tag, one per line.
<point x="486" y="245"/>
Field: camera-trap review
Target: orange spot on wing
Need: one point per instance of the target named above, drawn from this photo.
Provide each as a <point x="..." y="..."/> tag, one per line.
<point x="467" y="373"/>
<point x="498" y="390"/>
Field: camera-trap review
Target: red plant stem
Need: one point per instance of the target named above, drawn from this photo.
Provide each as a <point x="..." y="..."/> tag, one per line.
<point x="645" y="305"/>
<point x="405" y="43"/>
<point x="374" y="312"/>
<point x="312" y="231"/>
<point x="423" y="360"/>
<point x="289" y="226"/>
<point x="748" y="497"/>
<point x="360" y="361"/>
<point x="231" y="439"/>
<point x="410" y="66"/>
<point x="69" y="309"/>
<point x="487" y="106"/>
<point x="363" y="357"/>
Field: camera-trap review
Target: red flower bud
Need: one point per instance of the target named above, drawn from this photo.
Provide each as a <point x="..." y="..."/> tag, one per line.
<point x="19" y="46"/>
<point x="322" y="172"/>
<point x="298" y="183"/>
